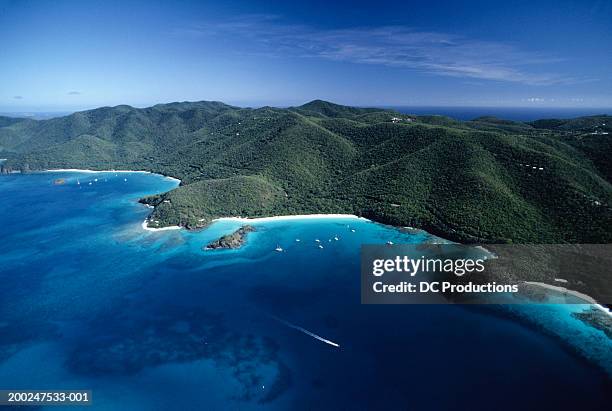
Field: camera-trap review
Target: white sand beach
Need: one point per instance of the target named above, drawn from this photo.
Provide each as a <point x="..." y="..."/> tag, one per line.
<point x="586" y="298"/>
<point x="266" y="219"/>
<point x="146" y="227"/>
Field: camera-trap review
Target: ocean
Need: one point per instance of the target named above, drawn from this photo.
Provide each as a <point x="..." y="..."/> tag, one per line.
<point x="456" y="112"/>
<point x="150" y="321"/>
<point x="505" y="113"/>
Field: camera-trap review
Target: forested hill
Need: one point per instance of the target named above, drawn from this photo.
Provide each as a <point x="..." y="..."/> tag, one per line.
<point x="488" y="179"/>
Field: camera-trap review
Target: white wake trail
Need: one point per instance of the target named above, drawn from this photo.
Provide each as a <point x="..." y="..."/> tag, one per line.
<point x="305" y="331"/>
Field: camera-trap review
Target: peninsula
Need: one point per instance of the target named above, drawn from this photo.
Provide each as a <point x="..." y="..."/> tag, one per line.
<point x="233" y="240"/>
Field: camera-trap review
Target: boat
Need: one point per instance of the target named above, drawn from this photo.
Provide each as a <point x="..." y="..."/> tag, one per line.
<point x="389" y="242"/>
<point x="317" y="240"/>
<point x="336" y="238"/>
<point x="297" y="240"/>
<point x="278" y="248"/>
<point x="320" y="246"/>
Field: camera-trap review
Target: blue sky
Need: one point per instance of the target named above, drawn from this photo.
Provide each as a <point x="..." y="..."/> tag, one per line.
<point x="70" y="55"/>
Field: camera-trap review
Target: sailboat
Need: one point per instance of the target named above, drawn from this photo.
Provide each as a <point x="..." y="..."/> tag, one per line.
<point x="278" y="248"/>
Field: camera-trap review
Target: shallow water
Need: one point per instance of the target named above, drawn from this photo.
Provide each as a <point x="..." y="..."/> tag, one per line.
<point x="148" y="320"/>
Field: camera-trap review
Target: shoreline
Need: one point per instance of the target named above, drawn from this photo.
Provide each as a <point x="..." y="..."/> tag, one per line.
<point x="297" y="217"/>
<point x="83" y="170"/>
<point x="145" y="226"/>
<point x="587" y="299"/>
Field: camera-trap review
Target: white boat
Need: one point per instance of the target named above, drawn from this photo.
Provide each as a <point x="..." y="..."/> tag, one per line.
<point x="389" y="242"/>
<point x="352" y="230"/>
<point x="336" y="238"/>
<point x="320" y="246"/>
<point x="278" y="248"/>
<point x="297" y="240"/>
<point x="317" y="240"/>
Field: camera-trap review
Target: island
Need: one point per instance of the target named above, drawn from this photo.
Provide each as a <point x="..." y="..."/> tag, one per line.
<point x="485" y="180"/>
<point x="231" y="241"/>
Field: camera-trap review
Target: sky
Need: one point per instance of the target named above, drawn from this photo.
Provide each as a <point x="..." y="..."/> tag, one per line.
<point x="72" y="55"/>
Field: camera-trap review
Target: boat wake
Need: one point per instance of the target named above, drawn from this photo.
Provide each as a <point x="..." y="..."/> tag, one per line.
<point x="305" y="331"/>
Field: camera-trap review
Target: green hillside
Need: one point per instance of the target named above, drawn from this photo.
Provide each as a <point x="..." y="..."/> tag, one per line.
<point x="488" y="179"/>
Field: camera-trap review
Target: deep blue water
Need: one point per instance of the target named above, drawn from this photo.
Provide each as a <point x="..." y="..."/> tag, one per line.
<point x="506" y="113"/>
<point x="147" y="320"/>
<point x="459" y="113"/>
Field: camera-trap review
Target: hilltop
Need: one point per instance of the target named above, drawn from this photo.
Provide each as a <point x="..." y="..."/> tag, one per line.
<point x="488" y="180"/>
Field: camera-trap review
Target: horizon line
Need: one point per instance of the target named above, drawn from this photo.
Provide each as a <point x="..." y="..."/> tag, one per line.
<point x="282" y="106"/>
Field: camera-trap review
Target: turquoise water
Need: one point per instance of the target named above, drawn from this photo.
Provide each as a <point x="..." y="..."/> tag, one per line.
<point x="148" y="320"/>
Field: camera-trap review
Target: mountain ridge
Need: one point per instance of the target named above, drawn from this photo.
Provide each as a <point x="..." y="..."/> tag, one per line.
<point x="483" y="180"/>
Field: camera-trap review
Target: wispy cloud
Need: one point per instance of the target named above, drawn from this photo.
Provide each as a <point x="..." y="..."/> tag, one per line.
<point x="18" y="97"/>
<point x="535" y="100"/>
<point x="74" y="93"/>
<point x="394" y="46"/>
